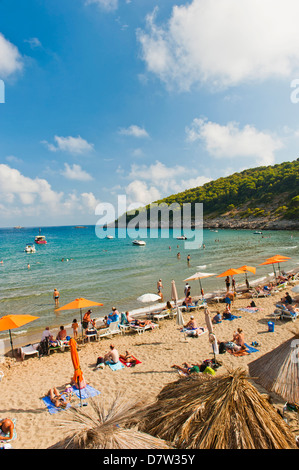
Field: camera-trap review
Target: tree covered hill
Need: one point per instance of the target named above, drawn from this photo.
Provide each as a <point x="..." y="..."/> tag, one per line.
<point x="263" y="192"/>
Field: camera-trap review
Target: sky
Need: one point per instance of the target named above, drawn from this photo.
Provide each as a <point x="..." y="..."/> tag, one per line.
<point x="139" y="99"/>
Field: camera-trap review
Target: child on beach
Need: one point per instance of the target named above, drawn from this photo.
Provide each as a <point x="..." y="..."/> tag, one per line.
<point x="75" y="327"/>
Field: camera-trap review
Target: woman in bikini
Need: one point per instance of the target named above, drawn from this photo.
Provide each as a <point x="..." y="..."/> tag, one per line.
<point x="57" y="399"/>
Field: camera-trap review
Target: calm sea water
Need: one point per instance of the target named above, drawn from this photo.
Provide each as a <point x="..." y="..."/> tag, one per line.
<point x="115" y="273"/>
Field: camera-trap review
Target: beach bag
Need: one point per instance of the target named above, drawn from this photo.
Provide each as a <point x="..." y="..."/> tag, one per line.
<point x="222" y="348"/>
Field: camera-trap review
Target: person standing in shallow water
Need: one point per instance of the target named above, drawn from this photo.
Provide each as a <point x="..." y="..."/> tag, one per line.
<point x="56" y="296"/>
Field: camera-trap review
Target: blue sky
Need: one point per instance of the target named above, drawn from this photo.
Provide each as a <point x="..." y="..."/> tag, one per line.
<point x="139" y="98"/>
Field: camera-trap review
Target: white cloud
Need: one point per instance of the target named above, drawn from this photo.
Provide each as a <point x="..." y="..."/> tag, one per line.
<point x="134" y="131"/>
<point x="156" y="172"/>
<point x="21" y="196"/>
<point x="108" y="5"/>
<point x="139" y="192"/>
<point x="230" y="141"/>
<point x="13" y="159"/>
<point x="223" y="43"/>
<point x="74" y="145"/>
<point x="33" y="42"/>
<point x="156" y="181"/>
<point x="75" y="172"/>
<point x="10" y="58"/>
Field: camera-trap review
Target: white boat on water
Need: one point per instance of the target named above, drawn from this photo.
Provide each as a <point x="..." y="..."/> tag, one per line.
<point x="257" y="233"/>
<point x="30" y="249"/>
<point x="109" y="237"/>
<point x="139" y="242"/>
<point x="182" y="237"/>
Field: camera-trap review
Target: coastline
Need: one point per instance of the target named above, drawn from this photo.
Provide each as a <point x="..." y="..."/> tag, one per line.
<point x="33" y="338"/>
<point x="25" y="383"/>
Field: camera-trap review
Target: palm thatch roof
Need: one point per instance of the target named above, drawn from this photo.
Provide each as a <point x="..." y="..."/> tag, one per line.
<point x="278" y="370"/>
<point x="216" y="412"/>
<point x="96" y="428"/>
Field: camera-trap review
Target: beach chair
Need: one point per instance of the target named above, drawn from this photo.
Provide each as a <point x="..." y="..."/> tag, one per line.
<point x="161" y="315"/>
<point x="29" y="350"/>
<point x="113" y="329"/>
<point x="124" y="325"/>
<point x="286" y="314"/>
<point x="141" y="329"/>
<point x="255" y="293"/>
<point x="91" y="333"/>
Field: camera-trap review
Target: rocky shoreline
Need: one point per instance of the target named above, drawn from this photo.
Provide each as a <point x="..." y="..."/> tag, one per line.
<point x="250" y="223"/>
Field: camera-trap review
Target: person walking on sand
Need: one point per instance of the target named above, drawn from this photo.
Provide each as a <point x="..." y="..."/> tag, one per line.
<point x="56" y="296"/>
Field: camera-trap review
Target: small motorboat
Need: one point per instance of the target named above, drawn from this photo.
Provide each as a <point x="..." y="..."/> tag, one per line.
<point x="257" y="233"/>
<point x="182" y="237"/>
<point x="30" y="249"/>
<point x="110" y="237"/>
<point x="139" y="242"/>
<point x="40" y="240"/>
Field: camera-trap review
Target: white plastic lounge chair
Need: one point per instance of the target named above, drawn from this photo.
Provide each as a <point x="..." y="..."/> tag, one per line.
<point x="256" y="293"/>
<point x="286" y="314"/>
<point x="1" y="375"/>
<point x="161" y="315"/>
<point x="141" y="329"/>
<point x="112" y="329"/>
<point x="193" y="333"/>
<point x="29" y="350"/>
<point x="92" y="333"/>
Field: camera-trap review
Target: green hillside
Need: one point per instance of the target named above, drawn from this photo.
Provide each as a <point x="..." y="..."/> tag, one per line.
<point x="267" y="191"/>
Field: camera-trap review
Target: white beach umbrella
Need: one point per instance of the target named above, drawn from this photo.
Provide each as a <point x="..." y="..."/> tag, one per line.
<point x="296" y="289"/>
<point x="198" y="276"/>
<point x="148" y="298"/>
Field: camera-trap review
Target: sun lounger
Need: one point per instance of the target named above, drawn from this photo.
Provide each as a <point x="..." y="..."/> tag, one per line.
<point x="29" y="350"/>
<point x="91" y="333"/>
<point x="195" y="332"/>
<point x="113" y="329"/>
<point x="256" y="293"/>
<point x="61" y="346"/>
<point x="141" y="329"/>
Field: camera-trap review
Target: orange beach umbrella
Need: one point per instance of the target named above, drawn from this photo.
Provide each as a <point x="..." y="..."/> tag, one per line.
<point x="79" y="304"/>
<point x="10" y="322"/>
<point x="230" y="272"/>
<point x="275" y="259"/>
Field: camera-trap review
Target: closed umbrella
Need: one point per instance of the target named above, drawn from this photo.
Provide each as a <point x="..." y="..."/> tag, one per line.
<point x="174" y="297"/>
<point x="80" y="303"/>
<point x="199" y="276"/>
<point x="10" y="322"/>
<point x="212" y="336"/>
<point x="78" y="375"/>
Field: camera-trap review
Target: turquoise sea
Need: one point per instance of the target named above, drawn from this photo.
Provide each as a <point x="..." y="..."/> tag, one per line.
<point x="115" y="272"/>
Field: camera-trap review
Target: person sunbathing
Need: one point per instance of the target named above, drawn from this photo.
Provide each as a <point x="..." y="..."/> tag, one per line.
<point x="239" y="339"/>
<point x="191" y="324"/>
<point x="57" y="399"/>
<point x="128" y="358"/>
<point x="187" y="368"/>
<point x="6" y="427"/>
<point x="217" y="318"/>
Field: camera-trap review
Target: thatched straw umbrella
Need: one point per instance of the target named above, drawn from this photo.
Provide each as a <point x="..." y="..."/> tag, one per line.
<point x="216" y="412"/>
<point x="278" y="370"/>
<point x="100" y="429"/>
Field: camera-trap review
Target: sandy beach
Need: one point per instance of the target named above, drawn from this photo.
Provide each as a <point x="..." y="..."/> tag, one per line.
<point x="26" y="383"/>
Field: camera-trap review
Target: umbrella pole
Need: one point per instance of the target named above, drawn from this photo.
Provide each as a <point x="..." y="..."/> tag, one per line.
<point x="79" y="391"/>
<point x="201" y="289"/>
<point x="81" y="323"/>
<point x="274" y="270"/>
<point x="10" y="338"/>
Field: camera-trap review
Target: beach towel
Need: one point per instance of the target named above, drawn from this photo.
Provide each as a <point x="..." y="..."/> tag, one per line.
<point x="86" y="392"/>
<point x="250" y="309"/>
<point x="116" y="366"/>
<point x="244" y="352"/>
<point x="232" y="318"/>
<point x="129" y="364"/>
<point x="51" y="407"/>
